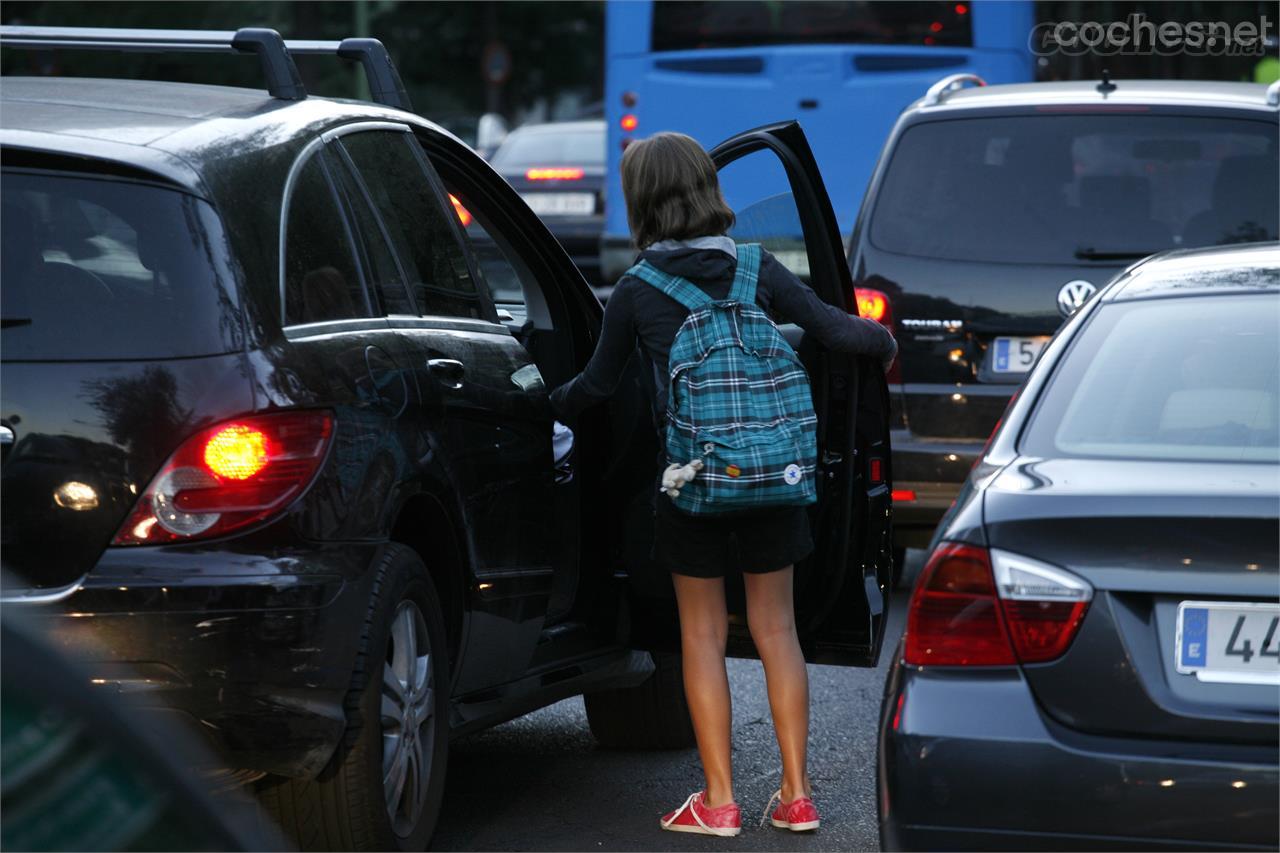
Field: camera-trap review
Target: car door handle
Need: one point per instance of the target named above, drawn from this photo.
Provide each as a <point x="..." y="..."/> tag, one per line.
<point x="450" y="370"/>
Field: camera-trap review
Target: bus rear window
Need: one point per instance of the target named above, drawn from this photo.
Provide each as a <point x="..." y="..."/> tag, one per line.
<point x="679" y="25"/>
<point x="111" y="269"/>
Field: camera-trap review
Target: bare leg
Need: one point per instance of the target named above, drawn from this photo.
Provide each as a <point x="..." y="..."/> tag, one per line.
<point x="704" y="628"/>
<point x="771" y="617"/>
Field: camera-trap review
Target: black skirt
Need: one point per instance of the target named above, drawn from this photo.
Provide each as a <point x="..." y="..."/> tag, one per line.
<point x="711" y="546"/>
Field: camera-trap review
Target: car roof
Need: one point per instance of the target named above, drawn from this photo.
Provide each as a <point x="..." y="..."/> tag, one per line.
<point x="1243" y="268"/>
<point x="1188" y="93"/>
<point x="177" y="131"/>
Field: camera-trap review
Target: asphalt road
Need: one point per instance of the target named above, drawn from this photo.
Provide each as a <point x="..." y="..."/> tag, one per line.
<point x="541" y="783"/>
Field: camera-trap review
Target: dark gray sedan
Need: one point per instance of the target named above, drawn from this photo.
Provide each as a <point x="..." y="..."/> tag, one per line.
<point x="1092" y="653"/>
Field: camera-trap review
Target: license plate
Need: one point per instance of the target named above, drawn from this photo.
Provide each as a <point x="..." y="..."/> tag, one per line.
<point x="1015" y="355"/>
<point x="561" y="204"/>
<point x="1229" y="641"/>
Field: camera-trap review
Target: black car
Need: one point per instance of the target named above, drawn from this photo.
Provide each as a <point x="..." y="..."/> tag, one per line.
<point x="996" y="211"/>
<point x="273" y="457"/>
<point x="1092" y="651"/>
<point x="558" y="169"/>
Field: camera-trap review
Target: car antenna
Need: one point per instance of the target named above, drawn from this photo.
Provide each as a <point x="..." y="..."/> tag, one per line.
<point x="1106" y="87"/>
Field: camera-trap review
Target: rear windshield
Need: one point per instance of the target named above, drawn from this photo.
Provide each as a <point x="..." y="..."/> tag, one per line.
<point x="1190" y="379"/>
<point x="1072" y="188"/>
<point x="111" y="269"/>
<point x="679" y="25"/>
<point x="551" y="148"/>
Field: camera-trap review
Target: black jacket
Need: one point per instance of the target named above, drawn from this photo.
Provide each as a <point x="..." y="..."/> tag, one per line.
<point x="639" y="312"/>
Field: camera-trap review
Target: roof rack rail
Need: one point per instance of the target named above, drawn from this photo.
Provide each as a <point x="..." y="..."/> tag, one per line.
<point x="276" y="54"/>
<point x="283" y="81"/>
<point x="385" y="85"/>
<point x="939" y="91"/>
<point x="1273" y="94"/>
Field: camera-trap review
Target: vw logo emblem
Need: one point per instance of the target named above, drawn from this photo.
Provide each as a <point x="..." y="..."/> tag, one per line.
<point x="1074" y="294"/>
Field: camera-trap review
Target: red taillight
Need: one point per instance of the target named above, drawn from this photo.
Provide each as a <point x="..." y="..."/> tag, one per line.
<point x="974" y="608"/>
<point x="629" y="122"/>
<point x="905" y="495"/>
<point x="229" y="476"/>
<point x="954" y="617"/>
<point x="464" y="215"/>
<point x="555" y="173"/>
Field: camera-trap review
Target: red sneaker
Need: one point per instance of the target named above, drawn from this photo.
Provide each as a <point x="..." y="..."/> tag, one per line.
<point x="693" y="816"/>
<point x="799" y="815"/>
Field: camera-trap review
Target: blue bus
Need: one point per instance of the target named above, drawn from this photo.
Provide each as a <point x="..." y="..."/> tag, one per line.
<point x="843" y="69"/>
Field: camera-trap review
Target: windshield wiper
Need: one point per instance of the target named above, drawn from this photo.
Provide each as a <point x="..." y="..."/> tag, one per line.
<point x="10" y="322"/>
<point x="1088" y="253"/>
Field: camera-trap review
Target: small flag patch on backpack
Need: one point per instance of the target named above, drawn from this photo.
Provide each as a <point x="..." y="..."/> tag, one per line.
<point x="733" y="471"/>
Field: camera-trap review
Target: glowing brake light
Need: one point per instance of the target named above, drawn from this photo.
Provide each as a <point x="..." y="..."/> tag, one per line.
<point x="903" y="495"/>
<point x="872" y="304"/>
<point x="236" y="452"/>
<point x="464" y="215"/>
<point x="629" y="122"/>
<point x="230" y="476"/>
<point x="554" y="174"/>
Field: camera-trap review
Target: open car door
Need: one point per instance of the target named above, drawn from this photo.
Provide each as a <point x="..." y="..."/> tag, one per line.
<point x="771" y="180"/>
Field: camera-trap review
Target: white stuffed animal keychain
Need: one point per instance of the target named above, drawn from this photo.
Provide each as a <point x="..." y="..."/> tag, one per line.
<point x="676" y="476"/>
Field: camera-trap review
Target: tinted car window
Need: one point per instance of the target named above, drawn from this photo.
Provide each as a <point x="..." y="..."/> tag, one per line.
<point x="423" y="236"/>
<point x="1065" y="188"/>
<point x="89" y="262"/>
<point x="384" y="272"/>
<point x="1191" y="378"/>
<point x="679" y="25"/>
<point x="551" y="148"/>
<point x="322" y="281"/>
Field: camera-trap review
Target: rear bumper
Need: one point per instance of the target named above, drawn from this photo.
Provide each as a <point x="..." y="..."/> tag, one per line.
<point x="933" y="470"/>
<point x="967" y="761"/>
<point x="254" y="654"/>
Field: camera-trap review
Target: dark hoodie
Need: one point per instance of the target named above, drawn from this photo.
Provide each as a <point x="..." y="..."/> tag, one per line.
<point x="638" y="311"/>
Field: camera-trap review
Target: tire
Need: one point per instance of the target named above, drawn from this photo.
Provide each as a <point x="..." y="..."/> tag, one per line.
<point x="400" y="667"/>
<point x="899" y="564"/>
<point x="652" y="715"/>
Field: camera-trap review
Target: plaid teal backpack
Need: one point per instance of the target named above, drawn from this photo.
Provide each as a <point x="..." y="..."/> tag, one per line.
<point x="739" y="399"/>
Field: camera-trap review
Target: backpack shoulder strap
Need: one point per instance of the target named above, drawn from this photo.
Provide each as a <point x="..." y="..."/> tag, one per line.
<point x="680" y="289"/>
<point x="746" y="275"/>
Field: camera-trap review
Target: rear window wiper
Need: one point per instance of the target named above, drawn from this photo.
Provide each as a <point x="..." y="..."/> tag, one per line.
<point x="10" y="322"/>
<point x="1088" y="253"/>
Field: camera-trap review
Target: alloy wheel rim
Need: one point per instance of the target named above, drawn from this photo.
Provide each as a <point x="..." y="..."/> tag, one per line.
<point x="407" y="712"/>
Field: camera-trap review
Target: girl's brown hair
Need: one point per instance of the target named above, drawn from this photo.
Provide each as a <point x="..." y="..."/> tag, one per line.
<point x="671" y="190"/>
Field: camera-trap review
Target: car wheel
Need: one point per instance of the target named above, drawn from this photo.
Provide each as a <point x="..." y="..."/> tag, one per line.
<point x="382" y="788"/>
<point x="651" y="715"/>
<point x="899" y="564"/>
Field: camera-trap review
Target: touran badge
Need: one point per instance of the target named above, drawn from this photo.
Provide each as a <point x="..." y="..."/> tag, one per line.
<point x="1074" y="294"/>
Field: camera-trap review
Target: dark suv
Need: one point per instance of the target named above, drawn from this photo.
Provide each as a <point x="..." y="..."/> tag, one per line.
<point x="275" y="458"/>
<point x="996" y="211"/>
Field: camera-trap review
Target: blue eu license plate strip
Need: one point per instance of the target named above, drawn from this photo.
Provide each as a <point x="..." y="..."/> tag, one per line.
<point x="1002" y="354"/>
<point x="1195" y="636"/>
